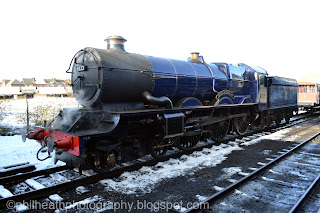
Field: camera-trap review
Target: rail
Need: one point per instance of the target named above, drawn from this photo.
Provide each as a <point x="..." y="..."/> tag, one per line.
<point x="244" y="180"/>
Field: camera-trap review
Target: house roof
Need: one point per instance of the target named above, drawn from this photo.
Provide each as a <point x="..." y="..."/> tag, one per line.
<point x="15" y="82"/>
<point x="60" y="82"/>
<point x="33" y="81"/>
<point x="49" y="81"/>
<point x="5" y="81"/>
<point x="28" y="80"/>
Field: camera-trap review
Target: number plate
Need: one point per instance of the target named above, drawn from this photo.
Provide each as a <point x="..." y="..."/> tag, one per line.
<point x="81" y="68"/>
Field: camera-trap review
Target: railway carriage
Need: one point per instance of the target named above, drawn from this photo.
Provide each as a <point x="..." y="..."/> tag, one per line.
<point x="134" y="105"/>
<point x="309" y="96"/>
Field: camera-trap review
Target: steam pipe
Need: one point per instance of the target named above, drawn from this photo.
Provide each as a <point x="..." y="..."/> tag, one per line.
<point x="158" y="101"/>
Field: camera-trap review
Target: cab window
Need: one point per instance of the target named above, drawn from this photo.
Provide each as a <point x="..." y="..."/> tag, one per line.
<point x="261" y="80"/>
<point x="238" y="73"/>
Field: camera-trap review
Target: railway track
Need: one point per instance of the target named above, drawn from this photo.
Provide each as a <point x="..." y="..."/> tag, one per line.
<point x="38" y="190"/>
<point x="13" y="169"/>
<point x="293" y="169"/>
<point x="305" y="195"/>
<point x="19" y="177"/>
<point x="310" y="202"/>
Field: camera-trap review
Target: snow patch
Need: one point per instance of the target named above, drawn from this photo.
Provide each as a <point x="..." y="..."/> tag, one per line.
<point x="59" y="178"/>
<point x="13" y="150"/>
<point x="16" y="109"/>
<point x="55" y="198"/>
<point x="230" y="172"/>
<point x="217" y="188"/>
<point x="35" y="184"/>
<point x="179" y="208"/>
<point x="274" y="136"/>
<point x="84" y="202"/>
<point x="21" y="208"/>
<point x="143" y="181"/>
<point x="223" y="204"/>
<point x="81" y="190"/>
<point x="5" y="192"/>
<point x="238" y="192"/>
<point x="267" y="152"/>
<point x="201" y="198"/>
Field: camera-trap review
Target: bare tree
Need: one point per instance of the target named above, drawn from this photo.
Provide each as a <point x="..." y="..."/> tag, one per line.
<point x="3" y="109"/>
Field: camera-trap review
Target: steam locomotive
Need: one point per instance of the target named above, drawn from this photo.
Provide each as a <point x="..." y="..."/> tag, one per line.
<point x="134" y="105"/>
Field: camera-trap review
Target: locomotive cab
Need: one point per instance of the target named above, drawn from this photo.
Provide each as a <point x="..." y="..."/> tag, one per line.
<point x="261" y="92"/>
<point x="237" y="80"/>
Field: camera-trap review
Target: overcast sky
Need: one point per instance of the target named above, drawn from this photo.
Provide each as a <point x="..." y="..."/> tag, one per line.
<point x="39" y="38"/>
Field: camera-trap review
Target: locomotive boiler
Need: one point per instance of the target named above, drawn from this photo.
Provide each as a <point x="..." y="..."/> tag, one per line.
<point x="101" y="77"/>
<point x="134" y="105"/>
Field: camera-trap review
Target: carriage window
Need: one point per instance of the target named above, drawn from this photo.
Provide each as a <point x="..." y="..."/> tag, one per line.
<point x="301" y="89"/>
<point x="307" y="89"/>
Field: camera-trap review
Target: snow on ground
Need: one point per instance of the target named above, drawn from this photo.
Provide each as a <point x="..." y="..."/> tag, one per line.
<point x="5" y="192"/>
<point x="34" y="184"/>
<point x="15" y="110"/>
<point x="217" y="188"/>
<point x="279" y="135"/>
<point x="201" y="198"/>
<point x="228" y="172"/>
<point x="84" y="202"/>
<point x="145" y="179"/>
<point x="20" y="105"/>
<point x="13" y="150"/>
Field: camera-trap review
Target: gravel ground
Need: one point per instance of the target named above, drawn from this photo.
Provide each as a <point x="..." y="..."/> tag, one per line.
<point x="278" y="189"/>
<point x="192" y="187"/>
<point x="199" y="183"/>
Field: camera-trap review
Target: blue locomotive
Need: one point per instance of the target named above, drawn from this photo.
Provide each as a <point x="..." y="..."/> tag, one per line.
<point x="135" y="105"/>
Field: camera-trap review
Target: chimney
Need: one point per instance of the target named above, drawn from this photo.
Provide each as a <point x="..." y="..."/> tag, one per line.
<point x="115" y="43"/>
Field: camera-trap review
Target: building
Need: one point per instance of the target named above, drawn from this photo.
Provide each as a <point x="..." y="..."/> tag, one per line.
<point x="4" y="82"/>
<point x="29" y="87"/>
<point x="29" y="82"/>
<point x="14" y="83"/>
